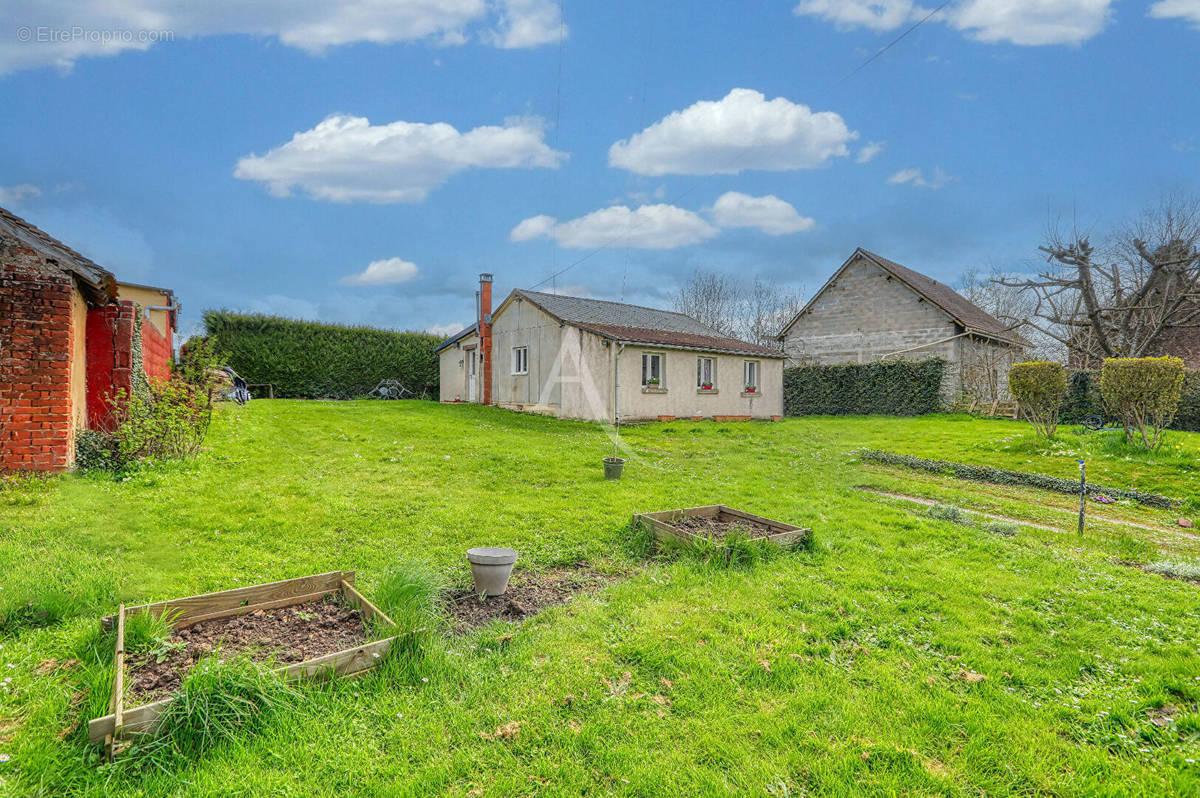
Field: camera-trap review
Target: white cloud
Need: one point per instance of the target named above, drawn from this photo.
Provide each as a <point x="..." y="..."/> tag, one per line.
<point x="528" y="23"/>
<point x="110" y="27"/>
<point x="743" y="130"/>
<point x="867" y="153"/>
<point x="1023" y="22"/>
<point x="444" y="330"/>
<point x="649" y="227"/>
<point x="915" y="177"/>
<point x="533" y="227"/>
<point x="15" y="195"/>
<point x="347" y="159"/>
<point x="383" y="272"/>
<point x="1188" y="10"/>
<point x="1032" y="22"/>
<point x="768" y="214"/>
<point x="877" y="15"/>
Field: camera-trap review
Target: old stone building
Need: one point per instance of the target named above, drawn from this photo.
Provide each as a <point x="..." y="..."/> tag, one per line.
<point x="873" y="308"/>
<point x="69" y="335"/>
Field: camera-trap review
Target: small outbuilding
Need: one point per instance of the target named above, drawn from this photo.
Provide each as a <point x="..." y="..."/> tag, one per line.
<point x="873" y="308"/>
<point x="575" y="357"/>
<point x="71" y="337"/>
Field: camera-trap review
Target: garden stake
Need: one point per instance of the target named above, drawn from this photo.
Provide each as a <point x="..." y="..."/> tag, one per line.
<point x="1082" y="493"/>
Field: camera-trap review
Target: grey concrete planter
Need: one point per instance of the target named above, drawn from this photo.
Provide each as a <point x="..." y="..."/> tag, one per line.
<point x="491" y="566"/>
<point x="613" y="466"/>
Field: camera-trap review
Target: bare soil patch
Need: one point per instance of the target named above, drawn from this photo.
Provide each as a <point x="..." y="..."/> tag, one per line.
<point x="289" y="634"/>
<point x="712" y="527"/>
<point x="528" y="593"/>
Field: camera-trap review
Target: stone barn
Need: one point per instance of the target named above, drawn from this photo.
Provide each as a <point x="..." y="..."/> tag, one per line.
<point x="873" y="308"/>
<point x="71" y="336"/>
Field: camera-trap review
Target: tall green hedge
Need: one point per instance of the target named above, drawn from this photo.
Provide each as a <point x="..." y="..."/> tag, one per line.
<point x="1084" y="399"/>
<point x="892" y="387"/>
<point x="307" y="360"/>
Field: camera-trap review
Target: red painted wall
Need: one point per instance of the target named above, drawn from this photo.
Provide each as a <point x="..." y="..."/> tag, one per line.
<point x="156" y="351"/>
<point x="35" y="363"/>
<point x="109" y="359"/>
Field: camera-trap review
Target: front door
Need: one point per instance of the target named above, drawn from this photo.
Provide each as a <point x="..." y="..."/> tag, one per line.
<point x="471" y="372"/>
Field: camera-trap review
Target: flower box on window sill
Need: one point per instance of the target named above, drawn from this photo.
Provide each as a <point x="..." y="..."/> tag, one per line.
<point x="750" y="392"/>
<point x="653" y="389"/>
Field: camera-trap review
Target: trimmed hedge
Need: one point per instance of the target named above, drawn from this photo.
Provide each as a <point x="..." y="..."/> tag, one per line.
<point x="1084" y="399"/>
<point x="1003" y="476"/>
<point x="308" y="360"/>
<point x="891" y="388"/>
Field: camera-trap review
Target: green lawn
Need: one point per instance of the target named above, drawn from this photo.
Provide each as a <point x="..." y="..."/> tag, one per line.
<point x="839" y="671"/>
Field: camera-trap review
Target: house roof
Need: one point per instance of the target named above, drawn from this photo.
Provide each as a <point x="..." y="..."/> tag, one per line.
<point x="637" y="324"/>
<point x="99" y="280"/>
<point x="458" y="336"/>
<point x="974" y="318"/>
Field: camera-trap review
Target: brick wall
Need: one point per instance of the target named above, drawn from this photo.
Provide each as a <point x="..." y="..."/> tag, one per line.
<point x="36" y="430"/>
<point x="109" y="359"/>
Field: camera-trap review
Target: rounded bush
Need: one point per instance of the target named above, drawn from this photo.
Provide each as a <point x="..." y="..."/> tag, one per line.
<point x="1039" y="387"/>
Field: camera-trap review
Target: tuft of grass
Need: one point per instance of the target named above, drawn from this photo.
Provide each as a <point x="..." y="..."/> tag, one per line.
<point x="220" y="701"/>
<point x="1134" y="549"/>
<point x="410" y="592"/>
<point x="734" y="550"/>
<point x="1003" y="528"/>
<point x="1176" y="569"/>
<point x="946" y="512"/>
<point x="638" y="541"/>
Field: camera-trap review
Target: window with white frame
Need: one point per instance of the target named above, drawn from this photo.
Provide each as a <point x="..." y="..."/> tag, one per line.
<point x="751" y="375"/>
<point x="520" y="360"/>
<point x="706" y="373"/>
<point x="652" y="370"/>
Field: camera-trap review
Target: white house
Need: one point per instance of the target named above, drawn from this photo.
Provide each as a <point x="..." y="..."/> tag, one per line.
<point x="573" y="357"/>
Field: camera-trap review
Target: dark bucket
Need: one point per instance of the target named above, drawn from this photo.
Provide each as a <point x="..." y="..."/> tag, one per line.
<point x="613" y="467"/>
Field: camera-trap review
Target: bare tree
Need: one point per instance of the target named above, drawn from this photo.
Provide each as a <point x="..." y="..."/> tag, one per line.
<point x="753" y="312"/>
<point x="985" y="287"/>
<point x="1126" y="298"/>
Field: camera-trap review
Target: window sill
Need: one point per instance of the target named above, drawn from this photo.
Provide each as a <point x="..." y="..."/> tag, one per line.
<point x="650" y="389"/>
<point x="750" y="394"/>
<point x="519" y="374"/>
<point x="712" y="391"/>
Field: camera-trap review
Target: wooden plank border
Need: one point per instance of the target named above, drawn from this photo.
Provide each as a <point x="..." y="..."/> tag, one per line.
<point x="662" y="523"/>
<point x="229" y="603"/>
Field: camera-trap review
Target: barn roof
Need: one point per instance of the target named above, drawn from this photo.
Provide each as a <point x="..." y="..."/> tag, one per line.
<point x="968" y="314"/>
<point x="99" y="280"/>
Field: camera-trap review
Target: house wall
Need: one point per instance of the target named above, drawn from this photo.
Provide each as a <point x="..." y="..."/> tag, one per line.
<point x="157" y="334"/>
<point x="683" y="399"/>
<point x="36" y="430"/>
<point x="520" y="323"/>
<point x="452" y="363"/>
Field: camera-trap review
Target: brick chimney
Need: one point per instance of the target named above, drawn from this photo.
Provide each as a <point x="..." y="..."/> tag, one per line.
<point x="485" y="333"/>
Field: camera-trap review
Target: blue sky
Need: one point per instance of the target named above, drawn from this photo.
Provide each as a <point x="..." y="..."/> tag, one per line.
<point x="364" y="161"/>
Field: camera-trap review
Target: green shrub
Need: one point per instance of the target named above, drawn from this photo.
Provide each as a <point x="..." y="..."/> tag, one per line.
<point x="96" y="450"/>
<point x="1003" y="476"/>
<point x="1039" y="387"/>
<point x="307" y="360"/>
<point x="1143" y="392"/>
<point x="891" y="387"/>
<point x="168" y="420"/>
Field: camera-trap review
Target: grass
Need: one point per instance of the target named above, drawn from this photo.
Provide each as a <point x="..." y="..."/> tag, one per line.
<point x="849" y="668"/>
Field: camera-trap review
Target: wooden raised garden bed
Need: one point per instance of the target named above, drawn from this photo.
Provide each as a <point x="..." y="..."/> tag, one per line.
<point x="264" y="603"/>
<point x="716" y="521"/>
